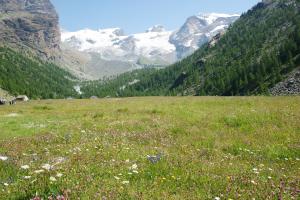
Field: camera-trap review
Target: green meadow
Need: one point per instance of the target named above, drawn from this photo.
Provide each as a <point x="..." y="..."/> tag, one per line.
<point x="204" y="148"/>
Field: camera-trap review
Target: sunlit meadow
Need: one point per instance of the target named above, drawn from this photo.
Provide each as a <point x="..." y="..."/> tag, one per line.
<point x="151" y="148"/>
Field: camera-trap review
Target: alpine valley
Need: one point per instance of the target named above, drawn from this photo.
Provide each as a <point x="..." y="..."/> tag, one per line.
<point x="211" y="54"/>
<point x="208" y="111"/>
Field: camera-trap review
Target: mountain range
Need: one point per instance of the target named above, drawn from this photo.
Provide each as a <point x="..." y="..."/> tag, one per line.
<point x="109" y="51"/>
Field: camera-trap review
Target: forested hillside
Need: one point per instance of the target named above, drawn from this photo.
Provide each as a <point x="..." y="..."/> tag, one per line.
<point x="20" y="74"/>
<point x="115" y="86"/>
<point x="257" y="52"/>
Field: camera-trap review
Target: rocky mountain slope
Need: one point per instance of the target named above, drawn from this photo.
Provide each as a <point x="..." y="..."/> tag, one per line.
<point x="29" y="43"/>
<point x="30" y="25"/>
<point x="111" y="52"/>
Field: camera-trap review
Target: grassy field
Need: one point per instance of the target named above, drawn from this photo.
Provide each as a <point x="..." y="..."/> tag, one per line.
<point x="210" y="147"/>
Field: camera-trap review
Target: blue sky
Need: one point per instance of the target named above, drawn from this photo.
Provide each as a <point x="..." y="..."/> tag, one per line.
<point x="138" y="15"/>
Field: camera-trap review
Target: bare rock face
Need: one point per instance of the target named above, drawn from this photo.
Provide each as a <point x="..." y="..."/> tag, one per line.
<point x="30" y="25"/>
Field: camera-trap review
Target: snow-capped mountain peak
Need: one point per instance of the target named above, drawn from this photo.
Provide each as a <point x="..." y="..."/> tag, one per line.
<point x="156" y="46"/>
<point x="198" y="30"/>
<point x="112" y="44"/>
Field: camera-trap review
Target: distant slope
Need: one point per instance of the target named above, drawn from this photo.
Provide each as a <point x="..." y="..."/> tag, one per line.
<point x="20" y="74"/>
<point x="258" y="51"/>
<point x="121" y="84"/>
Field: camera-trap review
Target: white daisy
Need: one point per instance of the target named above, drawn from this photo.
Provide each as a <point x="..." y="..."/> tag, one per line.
<point x="25" y="167"/>
<point x="134" y="167"/>
<point x="47" y="167"/>
<point x="3" y="158"/>
<point x="125" y="182"/>
<point x="39" y="171"/>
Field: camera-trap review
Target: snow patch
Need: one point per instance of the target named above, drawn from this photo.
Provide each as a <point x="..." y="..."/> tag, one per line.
<point x="135" y="81"/>
<point x="212" y="17"/>
<point x="77" y="88"/>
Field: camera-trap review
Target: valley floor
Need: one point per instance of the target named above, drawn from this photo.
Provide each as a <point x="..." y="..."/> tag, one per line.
<point x="202" y="148"/>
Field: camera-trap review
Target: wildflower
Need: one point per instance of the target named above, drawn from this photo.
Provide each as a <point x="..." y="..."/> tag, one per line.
<point x="117" y="178"/>
<point x="25" y="167"/>
<point x="6" y="184"/>
<point x="297" y="159"/>
<point x="135" y="171"/>
<point x="27" y="177"/>
<point x="253" y="182"/>
<point x="39" y="171"/>
<point x="270" y="169"/>
<point x="53" y="179"/>
<point x="3" y="158"/>
<point x="59" y="175"/>
<point x="129" y="173"/>
<point x="47" y="167"/>
<point x="125" y="182"/>
<point x="134" y="167"/>
<point x="269" y="177"/>
<point x="127" y="161"/>
<point x="217" y="198"/>
<point x="60" y="197"/>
